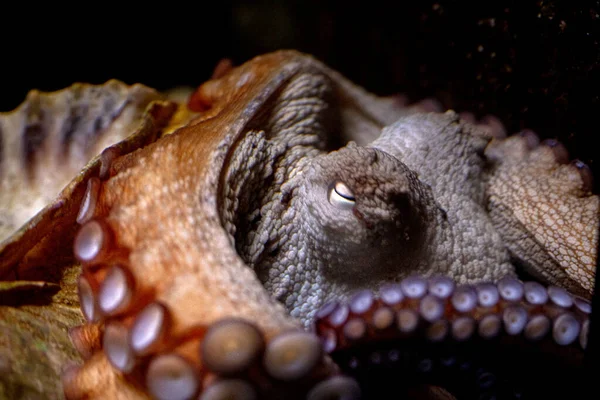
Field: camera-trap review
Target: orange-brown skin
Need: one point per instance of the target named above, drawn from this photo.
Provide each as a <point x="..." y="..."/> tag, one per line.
<point x="161" y="204"/>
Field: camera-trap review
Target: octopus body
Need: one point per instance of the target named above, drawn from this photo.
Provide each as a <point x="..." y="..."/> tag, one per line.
<point x="290" y="234"/>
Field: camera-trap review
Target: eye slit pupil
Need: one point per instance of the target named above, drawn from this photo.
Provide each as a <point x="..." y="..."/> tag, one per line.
<point x="344" y="191"/>
<point x="341" y="196"/>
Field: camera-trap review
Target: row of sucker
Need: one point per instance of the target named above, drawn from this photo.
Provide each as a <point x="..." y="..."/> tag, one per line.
<point x="441" y="309"/>
<point x="495" y="128"/>
<point x="560" y="154"/>
<point x="229" y="359"/>
<point x="428" y="319"/>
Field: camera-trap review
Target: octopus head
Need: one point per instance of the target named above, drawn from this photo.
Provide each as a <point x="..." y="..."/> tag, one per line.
<point x="363" y="210"/>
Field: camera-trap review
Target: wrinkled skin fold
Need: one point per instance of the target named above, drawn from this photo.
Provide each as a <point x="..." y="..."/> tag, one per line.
<point x="258" y="211"/>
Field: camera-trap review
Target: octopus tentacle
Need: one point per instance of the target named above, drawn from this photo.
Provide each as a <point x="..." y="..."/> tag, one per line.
<point x="488" y="126"/>
<point x="86" y="339"/>
<point x="160" y="330"/>
<point x="537" y="200"/>
<point x="413" y="331"/>
<point x="148" y="329"/>
<point x="86" y="289"/>
<point x="291" y="359"/>
<point x="97" y="379"/>
<point x="493" y="126"/>
<point x="417" y="301"/>
<point x="89" y="200"/>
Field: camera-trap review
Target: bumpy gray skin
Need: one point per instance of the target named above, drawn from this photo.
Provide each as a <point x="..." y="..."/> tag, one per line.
<point x="419" y="192"/>
<point x="448" y="157"/>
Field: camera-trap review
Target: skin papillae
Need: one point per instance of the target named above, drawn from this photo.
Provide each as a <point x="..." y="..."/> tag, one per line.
<point x="287" y="188"/>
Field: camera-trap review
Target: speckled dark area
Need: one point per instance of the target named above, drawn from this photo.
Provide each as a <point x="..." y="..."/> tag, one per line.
<point x="534" y="64"/>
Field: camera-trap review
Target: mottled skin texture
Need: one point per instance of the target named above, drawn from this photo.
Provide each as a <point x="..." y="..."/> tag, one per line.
<point x="546" y="212"/>
<point x="427" y="201"/>
<point x="447" y="155"/>
<point x="240" y="200"/>
<point x="303" y="248"/>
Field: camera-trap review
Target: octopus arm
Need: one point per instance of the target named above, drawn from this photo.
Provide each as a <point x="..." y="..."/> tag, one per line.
<point x="154" y="245"/>
<point x="545" y="210"/>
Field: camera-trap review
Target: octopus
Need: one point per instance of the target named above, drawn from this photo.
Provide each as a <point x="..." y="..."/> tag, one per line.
<point x="283" y="233"/>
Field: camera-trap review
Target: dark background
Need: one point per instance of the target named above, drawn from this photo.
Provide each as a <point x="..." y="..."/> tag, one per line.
<point x="535" y="64"/>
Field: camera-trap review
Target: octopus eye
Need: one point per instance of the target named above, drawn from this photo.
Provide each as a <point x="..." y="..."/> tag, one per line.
<point x="341" y="196"/>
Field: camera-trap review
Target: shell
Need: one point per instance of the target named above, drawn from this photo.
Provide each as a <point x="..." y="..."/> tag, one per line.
<point x="49" y="146"/>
